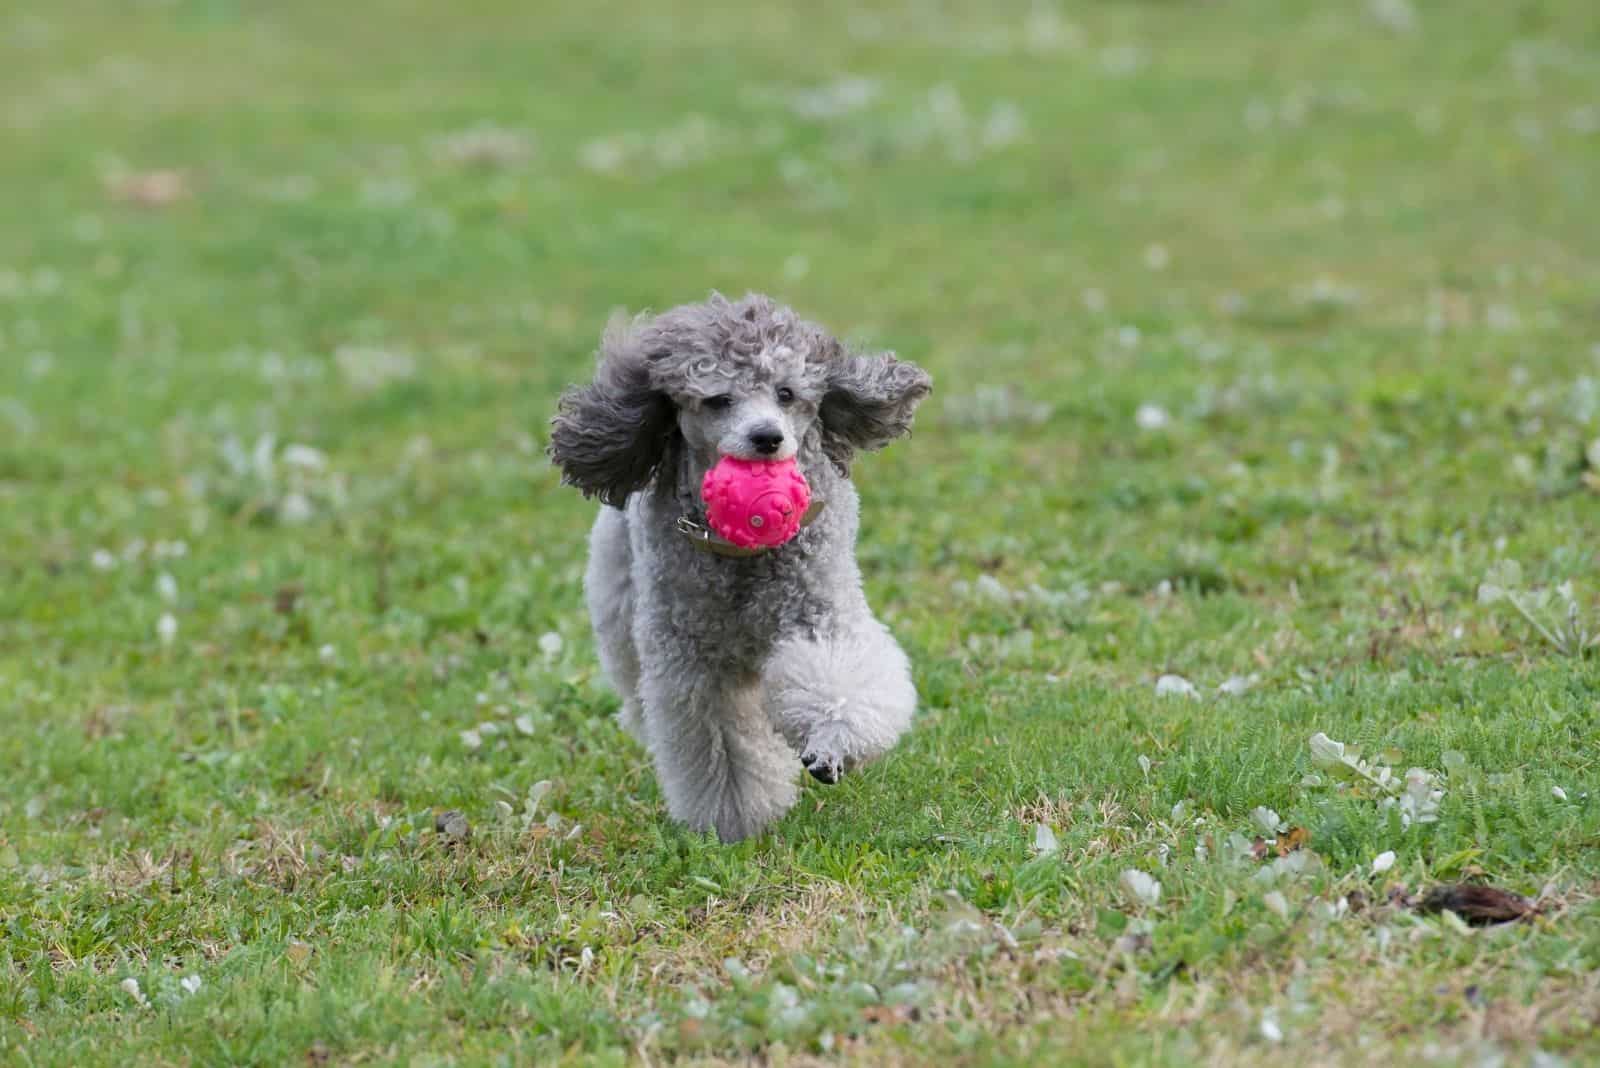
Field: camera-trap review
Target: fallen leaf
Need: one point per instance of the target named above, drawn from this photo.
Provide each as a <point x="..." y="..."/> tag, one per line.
<point x="452" y="826"/>
<point x="888" y="1014"/>
<point x="1266" y="819"/>
<point x="1478" y="905"/>
<point x="1142" y="888"/>
<point x="1259" y="850"/>
<point x="1292" y="839"/>
<point x="150" y="189"/>
<point x="1175" y="686"/>
<point x="1401" y="897"/>
<point x="1133" y="943"/>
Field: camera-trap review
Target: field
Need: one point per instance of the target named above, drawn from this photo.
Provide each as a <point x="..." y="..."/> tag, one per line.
<point x="1266" y="342"/>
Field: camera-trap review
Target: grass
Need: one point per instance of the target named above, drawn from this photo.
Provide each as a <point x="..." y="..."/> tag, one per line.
<point x="1261" y="336"/>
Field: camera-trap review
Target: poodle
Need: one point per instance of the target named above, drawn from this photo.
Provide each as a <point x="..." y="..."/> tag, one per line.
<point x="733" y="661"/>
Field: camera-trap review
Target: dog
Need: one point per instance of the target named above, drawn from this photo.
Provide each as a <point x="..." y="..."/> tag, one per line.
<point x="732" y="662"/>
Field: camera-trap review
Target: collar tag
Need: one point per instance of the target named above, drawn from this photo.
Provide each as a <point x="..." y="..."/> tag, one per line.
<point x="702" y="538"/>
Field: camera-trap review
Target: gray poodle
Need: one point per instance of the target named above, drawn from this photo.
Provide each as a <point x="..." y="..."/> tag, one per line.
<point x="732" y="661"/>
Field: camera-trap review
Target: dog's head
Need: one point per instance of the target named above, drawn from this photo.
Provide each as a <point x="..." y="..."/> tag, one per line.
<point x="745" y="378"/>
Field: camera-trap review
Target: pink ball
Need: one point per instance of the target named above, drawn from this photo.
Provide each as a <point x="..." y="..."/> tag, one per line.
<point x="755" y="503"/>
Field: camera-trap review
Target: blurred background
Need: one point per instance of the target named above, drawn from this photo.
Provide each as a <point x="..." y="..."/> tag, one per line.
<point x="1172" y="263"/>
<point x="1236" y="298"/>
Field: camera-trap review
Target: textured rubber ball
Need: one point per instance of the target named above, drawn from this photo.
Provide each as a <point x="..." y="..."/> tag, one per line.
<point x="755" y="503"/>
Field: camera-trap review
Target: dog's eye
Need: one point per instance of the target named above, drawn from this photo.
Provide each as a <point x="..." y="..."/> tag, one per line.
<point x="720" y="403"/>
<point x="785" y="395"/>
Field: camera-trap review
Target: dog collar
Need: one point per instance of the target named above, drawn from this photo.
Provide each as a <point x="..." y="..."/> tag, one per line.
<point x="707" y="540"/>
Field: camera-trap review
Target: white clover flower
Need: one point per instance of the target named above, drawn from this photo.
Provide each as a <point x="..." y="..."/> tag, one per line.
<point x="163" y="550"/>
<point x="1141" y="888"/>
<point x="1420" y="802"/>
<point x="167" y="628"/>
<point x="992" y="588"/>
<point x="1152" y="417"/>
<point x="1004" y="126"/>
<point x="1325" y="750"/>
<point x="605" y="155"/>
<point x="295" y="507"/>
<point x="370" y="369"/>
<point x="1267" y="820"/>
<point x="304" y="457"/>
<point x="484" y="145"/>
<point x="838" y="98"/>
<point x="1235" y="685"/>
<point x="1175" y="686"/>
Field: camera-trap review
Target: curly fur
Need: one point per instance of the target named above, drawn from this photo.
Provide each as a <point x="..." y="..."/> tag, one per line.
<point x="731" y="668"/>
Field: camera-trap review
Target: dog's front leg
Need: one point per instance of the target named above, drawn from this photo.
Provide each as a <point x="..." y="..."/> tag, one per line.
<point x="840" y="700"/>
<point x="720" y="764"/>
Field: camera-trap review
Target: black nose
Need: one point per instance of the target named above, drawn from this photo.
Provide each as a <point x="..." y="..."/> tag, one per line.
<point x="766" y="439"/>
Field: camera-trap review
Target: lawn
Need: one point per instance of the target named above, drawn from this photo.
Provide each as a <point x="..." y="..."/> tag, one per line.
<point x="1266" y="342"/>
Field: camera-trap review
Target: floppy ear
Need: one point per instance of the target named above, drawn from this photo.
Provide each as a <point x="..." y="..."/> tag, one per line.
<point x="610" y="436"/>
<point x="868" y="403"/>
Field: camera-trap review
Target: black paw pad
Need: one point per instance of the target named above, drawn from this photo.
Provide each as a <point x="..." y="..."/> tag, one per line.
<point x="823" y="770"/>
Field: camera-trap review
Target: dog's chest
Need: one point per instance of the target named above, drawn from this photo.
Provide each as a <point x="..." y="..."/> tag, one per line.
<point x="736" y="610"/>
<point x="733" y="610"/>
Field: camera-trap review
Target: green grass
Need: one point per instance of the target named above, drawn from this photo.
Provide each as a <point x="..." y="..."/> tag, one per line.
<point x="1355" y="263"/>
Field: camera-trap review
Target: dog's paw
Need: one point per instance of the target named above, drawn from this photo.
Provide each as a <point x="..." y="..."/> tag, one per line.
<point x="824" y="767"/>
<point x="824" y="754"/>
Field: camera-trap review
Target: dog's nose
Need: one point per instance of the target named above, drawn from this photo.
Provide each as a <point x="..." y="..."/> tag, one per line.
<point x="766" y="439"/>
